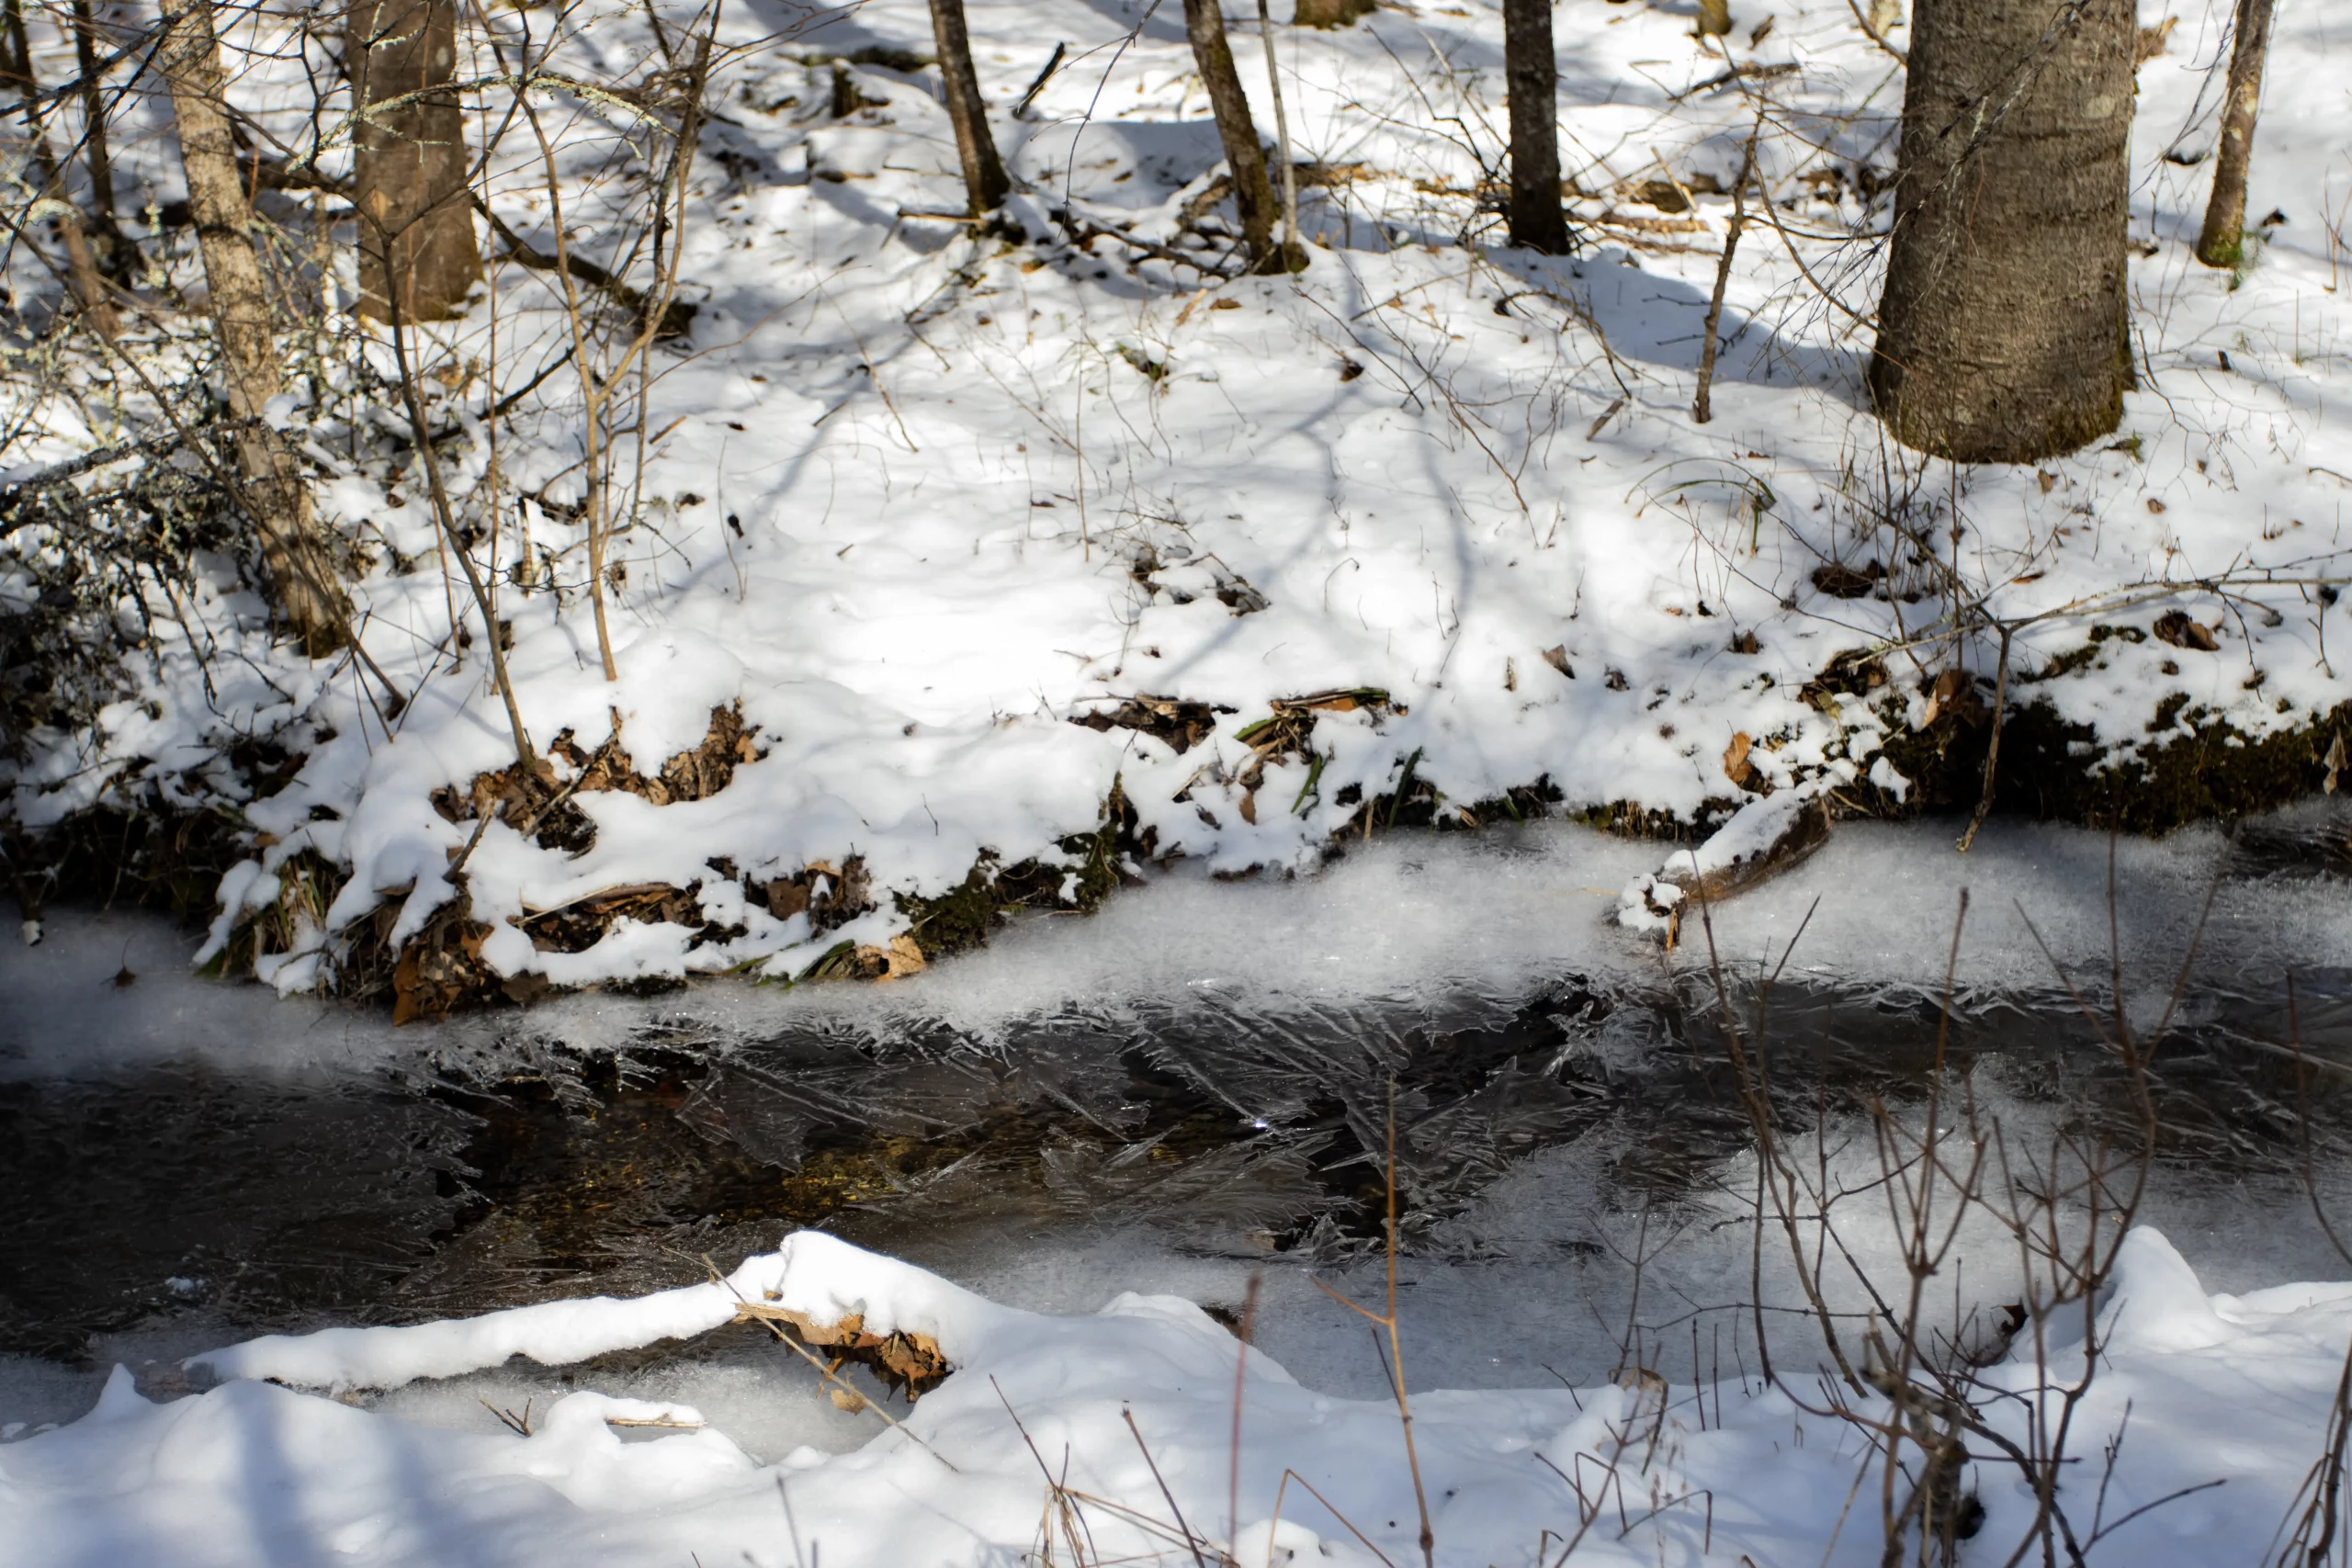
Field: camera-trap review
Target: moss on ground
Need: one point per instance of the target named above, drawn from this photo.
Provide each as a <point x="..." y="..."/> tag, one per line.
<point x="2205" y="769"/>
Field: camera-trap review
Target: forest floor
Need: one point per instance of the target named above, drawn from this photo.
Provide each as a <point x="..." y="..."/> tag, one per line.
<point x="959" y="571"/>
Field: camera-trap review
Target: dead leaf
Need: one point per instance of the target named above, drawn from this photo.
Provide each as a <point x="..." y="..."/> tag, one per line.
<point x="2176" y="627"/>
<point x="1558" y="657"/>
<point x="1736" y="767"/>
<point x="1953" y="693"/>
<point x="2048" y="480"/>
<point x="2154" y="505"/>
<point x="2334" y="763"/>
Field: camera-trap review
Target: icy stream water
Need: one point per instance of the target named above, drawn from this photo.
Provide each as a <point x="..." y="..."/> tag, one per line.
<point x="1192" y="1091"/>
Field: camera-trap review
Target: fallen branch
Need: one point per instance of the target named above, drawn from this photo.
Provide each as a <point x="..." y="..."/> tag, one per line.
<point x="677" y="316"/>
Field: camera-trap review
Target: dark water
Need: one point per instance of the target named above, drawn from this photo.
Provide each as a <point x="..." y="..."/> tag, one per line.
<point x="627" y="1148"/>
<point x="524" y="1167"/>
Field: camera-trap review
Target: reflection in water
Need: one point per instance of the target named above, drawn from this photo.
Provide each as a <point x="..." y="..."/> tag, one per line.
<point x="1552" y="1120"/>
<point x="524" y="1169"/>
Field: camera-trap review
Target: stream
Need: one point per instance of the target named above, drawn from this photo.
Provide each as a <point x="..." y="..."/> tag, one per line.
<point x="1192" y="1091"/>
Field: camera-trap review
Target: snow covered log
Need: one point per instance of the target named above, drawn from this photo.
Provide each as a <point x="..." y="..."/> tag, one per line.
<point x="1762" y="838"/>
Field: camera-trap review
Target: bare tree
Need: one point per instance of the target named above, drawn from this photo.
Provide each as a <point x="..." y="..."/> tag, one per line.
<point x="301" y="574"/>
<point x="1534" y="75"/>
<point x="416" y="221"/>
<point x="1245" y="157"/>
<point x="986" y="184"/>
<point x="2002" y="329"/>
<point x="2222" y="241"/>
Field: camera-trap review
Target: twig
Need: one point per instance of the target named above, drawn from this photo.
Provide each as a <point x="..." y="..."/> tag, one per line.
<point x="1701" y="409"/>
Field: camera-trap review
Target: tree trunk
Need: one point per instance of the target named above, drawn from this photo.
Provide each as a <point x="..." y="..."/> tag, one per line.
<point x="417" y="223"/>
<point x="2003" y="335"/>
<point x="1329" y="13"/>
<point x="1245" y="158"/>
<point x="1536" y="221"/>
<point x="2222" y="243"/>
<point x="275" y="496"/>
<point x="117" y="249"/>
<point x="986" y="184"/>
<point x="82" y="266"/>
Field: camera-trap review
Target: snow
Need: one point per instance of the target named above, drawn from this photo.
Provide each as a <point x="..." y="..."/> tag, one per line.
<point x="1406" y="919"/>
<point x="1150" y="1394"/>
<point x="814" y="1274"/>
<point x="916" y="507"/>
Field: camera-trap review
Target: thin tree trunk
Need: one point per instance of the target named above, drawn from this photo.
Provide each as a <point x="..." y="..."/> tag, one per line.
<point x="1294" y="258"/>
<point x="2222" y="242"/>
<point x="300" y="572"/>
<point x="2003" y="332"/>
<point x="1245" y="158"/>
<point x="416" y="222"/>
<point x="1533" y="77"/>
<point x="88" y="290"/>
<point x="1702" y="407"/>
<point x="1329" y="13"/>
<point x="95" y="155"/>
<point x="986" y="184"/>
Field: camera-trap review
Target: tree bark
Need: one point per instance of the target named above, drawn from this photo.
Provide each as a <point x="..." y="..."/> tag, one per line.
<point x="2222" y="241"/>
<point x="410" y="166"/>
<point x="986" y="184"/>
<point x="82" y="266"/>
<point x="1245" y="157"/>
<point x="302" y="575"/>
<point x="1533" y="78"/>
<point x="1329" y="13"/>
<point x="2003" y="332"/>
<point x="117" y="256"/>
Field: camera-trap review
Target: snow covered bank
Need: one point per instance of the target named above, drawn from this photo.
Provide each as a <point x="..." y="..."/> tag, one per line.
<point x="2221" y="1403"/>
<point x="1031" y="559"/>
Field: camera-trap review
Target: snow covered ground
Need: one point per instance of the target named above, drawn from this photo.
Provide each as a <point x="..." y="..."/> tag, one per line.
<point x="918" y="498"/>
<point x="1143" y="1433"/>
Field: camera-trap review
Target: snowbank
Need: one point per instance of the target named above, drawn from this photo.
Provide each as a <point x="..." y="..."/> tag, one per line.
<point x="1132" y="1412"/>
<point x="920" y="501"/>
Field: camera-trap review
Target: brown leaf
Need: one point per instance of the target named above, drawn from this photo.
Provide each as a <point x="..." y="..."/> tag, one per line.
<point x="904" y="957"/>
<point x="1736" y="767"/>
<point x="2176" y="627"/>
<point x="1558" y="657"/>
<point x="407" y="1005"/>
